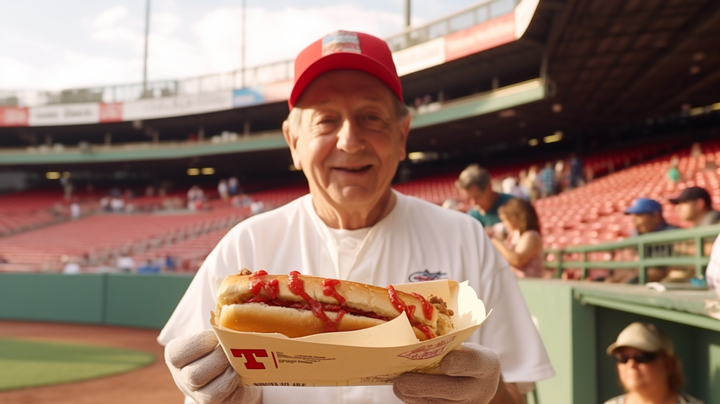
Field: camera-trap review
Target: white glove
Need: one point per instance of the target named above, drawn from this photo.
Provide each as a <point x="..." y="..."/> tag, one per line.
<point x="202" y="371"/>
<point x="472" y="374"/>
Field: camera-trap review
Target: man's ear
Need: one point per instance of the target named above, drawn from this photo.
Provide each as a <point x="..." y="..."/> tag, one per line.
<point x="404" y="132"/>
<point x="291" y="139"/>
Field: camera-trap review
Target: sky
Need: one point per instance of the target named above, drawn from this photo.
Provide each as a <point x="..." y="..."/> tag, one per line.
<point x="51" y="44"/>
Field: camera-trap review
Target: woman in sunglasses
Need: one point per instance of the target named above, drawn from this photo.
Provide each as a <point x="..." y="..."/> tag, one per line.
<point x="647" y="368"/>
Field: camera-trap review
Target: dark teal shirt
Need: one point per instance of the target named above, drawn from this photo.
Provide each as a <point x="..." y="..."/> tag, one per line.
<point x="491" y="216"/>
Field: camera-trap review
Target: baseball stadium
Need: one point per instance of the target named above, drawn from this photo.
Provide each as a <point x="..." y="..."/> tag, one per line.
<point x="599" y="119"/>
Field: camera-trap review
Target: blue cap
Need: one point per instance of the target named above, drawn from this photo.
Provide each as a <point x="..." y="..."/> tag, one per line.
<point x="644" y="205"/>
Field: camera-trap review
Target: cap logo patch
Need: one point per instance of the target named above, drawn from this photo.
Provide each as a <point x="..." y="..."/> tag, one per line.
<point x="341" y="41"/>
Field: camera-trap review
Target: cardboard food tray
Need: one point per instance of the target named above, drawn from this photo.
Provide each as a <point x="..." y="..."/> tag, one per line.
<point x="373" y="356"/>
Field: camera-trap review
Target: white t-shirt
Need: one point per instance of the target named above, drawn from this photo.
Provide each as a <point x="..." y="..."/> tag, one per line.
<point x="416" y="241"/>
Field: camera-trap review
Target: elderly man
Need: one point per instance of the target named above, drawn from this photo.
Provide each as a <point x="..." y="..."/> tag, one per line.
<point x="695" y="205"/>
<point x="347" y="131"/>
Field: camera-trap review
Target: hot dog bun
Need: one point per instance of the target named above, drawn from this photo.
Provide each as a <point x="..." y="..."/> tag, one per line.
<point x="276" y="303"/>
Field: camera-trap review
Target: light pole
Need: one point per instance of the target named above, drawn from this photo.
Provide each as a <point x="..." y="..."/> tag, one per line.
<point x="407" y="13"/>
<point x="244" y="32"/>
<point x="147" y="32"/>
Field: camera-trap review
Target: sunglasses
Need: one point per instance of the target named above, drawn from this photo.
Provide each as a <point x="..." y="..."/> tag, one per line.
<point x="644" y="357"/>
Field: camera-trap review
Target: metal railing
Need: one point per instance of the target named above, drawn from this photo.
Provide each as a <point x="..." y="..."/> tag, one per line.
<point x="249" y="77"/>
<point x="683" y="248"/>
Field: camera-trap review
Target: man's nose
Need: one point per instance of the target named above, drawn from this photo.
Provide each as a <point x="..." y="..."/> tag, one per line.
<point x="350" y="139"/>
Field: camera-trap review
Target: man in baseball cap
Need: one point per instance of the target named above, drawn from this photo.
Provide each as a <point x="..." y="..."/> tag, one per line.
<point x="647" y="217"/>
<point x="347" y="131"/>
<point x="695" y="205"/>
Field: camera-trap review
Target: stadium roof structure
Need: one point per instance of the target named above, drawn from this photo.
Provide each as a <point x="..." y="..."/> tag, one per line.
<point x="572" y="66"/>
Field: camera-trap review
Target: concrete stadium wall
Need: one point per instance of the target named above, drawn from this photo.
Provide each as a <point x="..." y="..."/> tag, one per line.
<point x="576" y="336"/>
<point x="145" y="301"/>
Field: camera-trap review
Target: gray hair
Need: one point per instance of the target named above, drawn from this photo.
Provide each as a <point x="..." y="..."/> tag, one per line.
<point x="473" y="175"/>
<point x="294" y="118"/>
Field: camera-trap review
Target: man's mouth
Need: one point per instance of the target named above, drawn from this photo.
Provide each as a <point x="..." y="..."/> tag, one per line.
<point x="358" y="169"/>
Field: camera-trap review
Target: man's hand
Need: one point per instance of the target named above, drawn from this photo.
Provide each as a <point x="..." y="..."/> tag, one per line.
<point x="201" y="370"/>
<point x="472" y="375"/>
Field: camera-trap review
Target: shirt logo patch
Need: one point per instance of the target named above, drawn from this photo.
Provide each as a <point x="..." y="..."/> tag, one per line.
<point x="426" y="275"/>
<point x="341" y="41"/>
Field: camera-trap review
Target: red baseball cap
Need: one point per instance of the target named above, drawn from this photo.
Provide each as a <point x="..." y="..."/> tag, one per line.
<point x="345" y="50"/>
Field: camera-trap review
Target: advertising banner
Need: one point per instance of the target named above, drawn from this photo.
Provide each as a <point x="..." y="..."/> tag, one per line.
<point x="419" y="57"/>
<point x="247" y="96"/>
<point x="177" y="106"/>
<point x="495" y="32"/>
<point x="14" y="116"/>
<point x="111" y="112"/>
<point x="66" y="114"/>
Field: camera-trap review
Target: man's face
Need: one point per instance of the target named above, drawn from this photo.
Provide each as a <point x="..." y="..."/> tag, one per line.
<point x="647" y="222"/>
<point x="689" y="209"/>
<point x="348" y="139"/>
<point x="476" y="197"/>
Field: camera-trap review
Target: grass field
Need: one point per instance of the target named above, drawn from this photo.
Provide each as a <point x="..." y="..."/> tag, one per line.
<point x="31" y="363"/>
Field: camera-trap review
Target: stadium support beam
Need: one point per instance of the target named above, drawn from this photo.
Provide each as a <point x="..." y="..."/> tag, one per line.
<point x="702" y="19"/>
<point x="147" y="33"/>
<point x="407" y="13"/>
<point x="678" y="99"/>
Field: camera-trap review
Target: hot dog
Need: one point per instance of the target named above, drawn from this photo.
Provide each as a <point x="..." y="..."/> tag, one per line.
<point x="299" y="305"/>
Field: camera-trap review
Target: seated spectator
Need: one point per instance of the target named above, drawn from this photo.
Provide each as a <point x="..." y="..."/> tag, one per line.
<point x="149" y="267"/>
<point x="647" y="215"/>
<point x="648" y="218"/>
<point x="125" y="263"/>
<point x="523" y="246"/>
<point x="241" y="200"/>
<point x="673" y="174"/>
<point x="223" y="190"/>
<point x="474" y="186"/>
<point x="233" y="186"/>
<point x="546" y="180"/>
<point x="695" y="205"/>
<point x="647" y="368"/>
<point x="71" y="267"/>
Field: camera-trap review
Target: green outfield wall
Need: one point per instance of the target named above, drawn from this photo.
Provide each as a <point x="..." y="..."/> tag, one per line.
<point x="576" y="320"/>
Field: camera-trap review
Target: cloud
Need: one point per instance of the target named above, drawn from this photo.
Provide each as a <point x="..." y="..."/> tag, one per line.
<point x="186" y="46"/>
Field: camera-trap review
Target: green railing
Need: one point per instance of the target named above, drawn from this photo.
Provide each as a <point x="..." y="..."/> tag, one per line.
<point x="683" y="248"/>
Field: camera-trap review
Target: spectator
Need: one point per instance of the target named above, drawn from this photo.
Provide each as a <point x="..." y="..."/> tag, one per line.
<point x="241" y="200"/>
<point x="195" y="198"/>
<point x="511" y="187"/>
<point x="223" y="189"/>
<point x="559" y="176"/>
<point x="170" y="264"/>
<point x="647" y="368"/>
<point x="647" y="215"/>
<point x="523" y="246"/>
<point x="75" y="210"/>
<point x="125" y="263"/>
<point x="648" y="218"/>
<point x="673" y="173"/>
<point x="233" y="186"/>
<point x="546" y="180"/>
<point x="149" y="267"/>
<point x="576" y="172"/>
<point x="71" y="267"/>
<point x="531" y="183"/>
<point x="117" y="204"/>
<point x="695" y="205"/>
<point x="474" y="186"/>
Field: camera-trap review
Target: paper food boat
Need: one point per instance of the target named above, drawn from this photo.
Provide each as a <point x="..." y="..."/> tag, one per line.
<point x="373" y="356"/>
